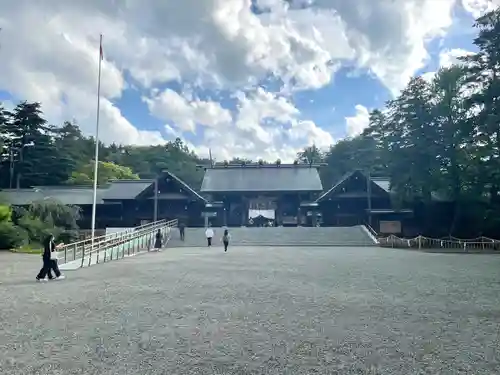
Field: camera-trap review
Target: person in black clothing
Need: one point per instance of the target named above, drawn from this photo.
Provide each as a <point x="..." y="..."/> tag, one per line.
<point x="225" y="239"/>
<point x="48" y="264"/>
<point x="182" y="228"/>
<point x="158" y="240"/>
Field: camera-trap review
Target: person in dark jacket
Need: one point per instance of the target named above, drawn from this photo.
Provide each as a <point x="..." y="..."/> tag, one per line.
<point x="158" y="240"/>
<point x="225" y="239"/>
<point x="48" y="248"/>
<point x="182" y="230"/>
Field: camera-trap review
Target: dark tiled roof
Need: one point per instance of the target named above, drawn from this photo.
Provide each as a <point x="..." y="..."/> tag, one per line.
<point x="186" y="187"/>
<point x="66" y="195"/>
<point x="260" y="179"/>
<point x="125" y="189"/>
<point x="383" y="183"/>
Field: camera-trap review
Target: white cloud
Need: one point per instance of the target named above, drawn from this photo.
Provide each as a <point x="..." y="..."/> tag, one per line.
<point x="450" y="57"/>
<point x="49" y="53"/>
<point x="447" y="58"/>
<point x="479" y="7"/>
<point x="48" y="56"/>
<point x="264" y="125"/>
<point x="359" y="122"/>
<point x="169" y="105"/>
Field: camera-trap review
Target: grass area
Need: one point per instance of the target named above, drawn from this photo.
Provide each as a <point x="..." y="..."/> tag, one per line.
<point x="28" y="249"/>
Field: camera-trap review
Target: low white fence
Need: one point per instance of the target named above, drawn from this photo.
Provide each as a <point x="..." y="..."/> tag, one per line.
<point x="478" y="244"/>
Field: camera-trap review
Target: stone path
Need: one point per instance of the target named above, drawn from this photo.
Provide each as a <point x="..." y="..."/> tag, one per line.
<point x="341" y="310"/>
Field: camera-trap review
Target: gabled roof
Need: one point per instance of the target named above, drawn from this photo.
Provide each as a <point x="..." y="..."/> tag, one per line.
<point x="265" y="178"/>
<point x="149" y="194"/>
<point x="70" y="195"/>
<point x="379" y="183"/>
<point x="382" y="183"/>
<point x="125" y="189"/>
<point x="188" y="188"/>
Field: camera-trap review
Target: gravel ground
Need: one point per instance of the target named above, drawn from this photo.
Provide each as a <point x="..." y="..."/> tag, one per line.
<point x="255" y="311"/>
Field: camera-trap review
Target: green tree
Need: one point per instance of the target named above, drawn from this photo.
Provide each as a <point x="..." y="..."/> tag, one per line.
<point x="349" y="154"/>
<point x="311" y="154"/>
<point x="483" y="70"/>
<point x="29" y="149"/>
<point x="107" y="171"/>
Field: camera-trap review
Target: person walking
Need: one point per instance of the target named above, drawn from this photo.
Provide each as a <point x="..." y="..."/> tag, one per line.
<point x="158" y="240"/>
<point x="209" y="233"/>
<point x="182" y="228"/>
<point x="225" y="239"/>
<point x="49" y="258"/>
<point x="54" y="261"/>
<point x="47" y="264"/>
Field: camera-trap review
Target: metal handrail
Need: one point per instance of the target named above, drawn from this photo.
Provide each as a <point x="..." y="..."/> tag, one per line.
<point x="137" y="239"/>
<point x="79" y="249"/>
<point x="371" y="230"/>
<point x="99" y="238"/>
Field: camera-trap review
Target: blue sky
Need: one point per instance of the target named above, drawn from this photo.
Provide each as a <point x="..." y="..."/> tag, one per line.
<point x="223" y="75"/>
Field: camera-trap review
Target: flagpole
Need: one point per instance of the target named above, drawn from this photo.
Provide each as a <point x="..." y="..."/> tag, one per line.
<point x="96" y="157"/>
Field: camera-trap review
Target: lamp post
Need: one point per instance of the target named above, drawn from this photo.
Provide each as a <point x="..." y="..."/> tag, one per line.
<point x="11" y="160"/>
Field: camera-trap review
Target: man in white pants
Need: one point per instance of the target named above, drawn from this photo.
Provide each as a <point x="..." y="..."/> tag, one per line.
<point x="209" y="233"/>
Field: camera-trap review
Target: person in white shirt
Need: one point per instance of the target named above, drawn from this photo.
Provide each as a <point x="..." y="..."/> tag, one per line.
<point x="209" y="233"/>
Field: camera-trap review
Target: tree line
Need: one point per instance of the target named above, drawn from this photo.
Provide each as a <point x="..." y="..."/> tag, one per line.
<point x="439" y="137"/>
<point x="36" y="153"/>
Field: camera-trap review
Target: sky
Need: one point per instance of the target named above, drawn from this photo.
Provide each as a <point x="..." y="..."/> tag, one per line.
<point x="244" y="78"/>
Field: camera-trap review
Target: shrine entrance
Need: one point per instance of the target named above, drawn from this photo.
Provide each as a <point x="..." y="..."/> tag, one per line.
<point x="262" y="211"/>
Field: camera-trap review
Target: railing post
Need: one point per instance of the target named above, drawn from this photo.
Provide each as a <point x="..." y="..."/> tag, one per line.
<point x="419" y="242"/>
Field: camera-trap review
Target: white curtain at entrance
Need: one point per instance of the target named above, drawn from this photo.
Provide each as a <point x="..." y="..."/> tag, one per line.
<point x="268" y="214"/>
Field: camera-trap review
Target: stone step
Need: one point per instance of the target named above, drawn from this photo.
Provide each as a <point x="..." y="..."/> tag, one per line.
<point x="280" y="236"/>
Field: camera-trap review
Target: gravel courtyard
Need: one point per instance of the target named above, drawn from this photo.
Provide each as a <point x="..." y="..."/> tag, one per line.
<point x="255" y="311"/>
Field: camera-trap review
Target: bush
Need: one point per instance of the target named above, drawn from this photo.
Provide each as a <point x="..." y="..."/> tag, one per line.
<point x="5" y="213"/>
<point x="11" y="236"/>
<point x="37" y="229"/>
<point x="58" y="214"/>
